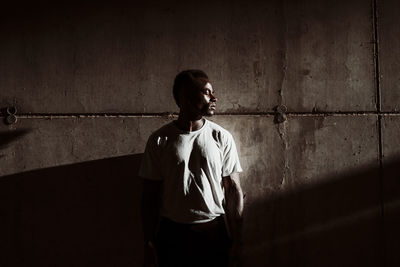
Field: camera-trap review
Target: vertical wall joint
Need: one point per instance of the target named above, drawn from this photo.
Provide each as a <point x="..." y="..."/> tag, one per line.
<point x="379" y="124"/>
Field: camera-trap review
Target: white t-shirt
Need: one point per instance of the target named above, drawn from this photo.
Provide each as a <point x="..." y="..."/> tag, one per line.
<point x="191" y="166"/>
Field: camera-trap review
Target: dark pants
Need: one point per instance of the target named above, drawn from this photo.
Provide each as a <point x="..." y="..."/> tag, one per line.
<point x="193" y="245"/>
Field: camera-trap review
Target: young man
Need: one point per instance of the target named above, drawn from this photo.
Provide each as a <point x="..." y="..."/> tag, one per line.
<point x="191" y="170"/>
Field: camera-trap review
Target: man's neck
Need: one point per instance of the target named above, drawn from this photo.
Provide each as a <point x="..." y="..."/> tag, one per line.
<point x="189" y="124"/>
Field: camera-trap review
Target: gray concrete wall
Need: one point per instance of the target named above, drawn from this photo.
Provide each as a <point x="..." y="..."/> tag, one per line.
<point x="92" y="80"/>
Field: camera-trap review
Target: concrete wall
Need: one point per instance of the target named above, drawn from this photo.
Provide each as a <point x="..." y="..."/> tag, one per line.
<point x="92" y="80"/>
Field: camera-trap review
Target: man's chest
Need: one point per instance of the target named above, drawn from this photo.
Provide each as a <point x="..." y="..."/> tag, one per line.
<point x="197" y="150"/>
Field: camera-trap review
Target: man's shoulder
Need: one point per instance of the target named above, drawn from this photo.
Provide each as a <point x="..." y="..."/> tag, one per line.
<point x="216" y="127"/>
<point x="219" y="132"/>
<point x="164" y="130"/>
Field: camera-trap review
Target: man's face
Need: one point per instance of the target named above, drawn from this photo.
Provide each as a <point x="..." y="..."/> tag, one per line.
<point x="202" y="101"/>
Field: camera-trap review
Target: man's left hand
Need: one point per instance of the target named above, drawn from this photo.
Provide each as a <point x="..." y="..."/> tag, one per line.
<point x="235" y="256"/>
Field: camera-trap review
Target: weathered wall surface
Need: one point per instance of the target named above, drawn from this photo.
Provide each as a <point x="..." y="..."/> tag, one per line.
<point x="91" y="81"/>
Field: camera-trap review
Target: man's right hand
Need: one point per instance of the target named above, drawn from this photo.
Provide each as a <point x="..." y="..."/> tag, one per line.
<point x="150" y="255"/>
<point x="235" y="259"/>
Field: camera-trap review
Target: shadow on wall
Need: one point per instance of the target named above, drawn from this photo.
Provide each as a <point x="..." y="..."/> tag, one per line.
<point x="6" y="137"/>
<point x="337" y="223"/>
<point x="84" y="214"/>
<point x="88" y="214"/>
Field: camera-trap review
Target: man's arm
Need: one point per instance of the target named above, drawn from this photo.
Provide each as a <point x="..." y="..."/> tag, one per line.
<point x="233" y="205"/>
<point x="151" y="200"/>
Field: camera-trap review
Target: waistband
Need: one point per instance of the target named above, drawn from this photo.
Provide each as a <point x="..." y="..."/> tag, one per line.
<point x="197" y="227"/>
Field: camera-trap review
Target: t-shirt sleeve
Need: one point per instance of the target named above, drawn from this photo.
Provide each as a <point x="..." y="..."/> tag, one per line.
<point x="150" y="164"/>
<point x="231" y="162"/>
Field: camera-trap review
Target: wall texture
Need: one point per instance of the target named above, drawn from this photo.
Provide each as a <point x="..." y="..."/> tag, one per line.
<point x="92" y="80"/>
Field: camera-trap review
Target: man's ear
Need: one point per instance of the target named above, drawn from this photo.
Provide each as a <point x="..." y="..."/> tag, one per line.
<point x="182" y="99"/>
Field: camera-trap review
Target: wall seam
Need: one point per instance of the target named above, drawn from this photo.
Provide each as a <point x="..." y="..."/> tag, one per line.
<point x="379" y="126"/>
<point x="163" y="114"/>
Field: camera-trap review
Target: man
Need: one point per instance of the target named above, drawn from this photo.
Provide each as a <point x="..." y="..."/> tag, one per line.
<point x="191" y="170"/>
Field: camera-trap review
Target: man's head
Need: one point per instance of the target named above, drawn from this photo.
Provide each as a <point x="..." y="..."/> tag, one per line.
<point x="193" y="93"/>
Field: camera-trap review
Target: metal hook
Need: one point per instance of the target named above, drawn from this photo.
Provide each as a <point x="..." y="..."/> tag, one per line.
<point x="11" y="118"/>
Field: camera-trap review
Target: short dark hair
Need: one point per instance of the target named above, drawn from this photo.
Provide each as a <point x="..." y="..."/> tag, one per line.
<point x="188" y="79"/>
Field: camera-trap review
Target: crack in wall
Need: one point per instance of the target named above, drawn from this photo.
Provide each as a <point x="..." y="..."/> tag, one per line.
<point x="284" y="58"/>
<point x="282" y="131"/>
